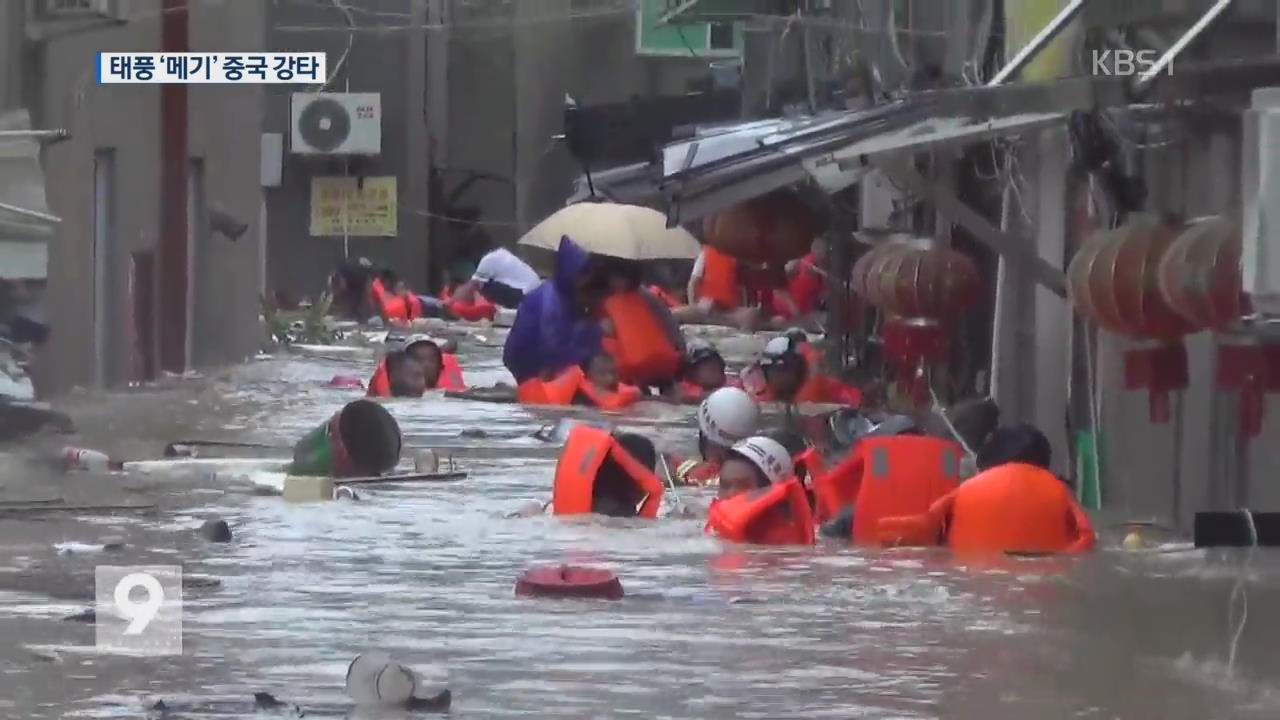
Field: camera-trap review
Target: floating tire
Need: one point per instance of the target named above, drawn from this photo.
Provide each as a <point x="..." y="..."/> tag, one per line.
<point x="566" y="581"/>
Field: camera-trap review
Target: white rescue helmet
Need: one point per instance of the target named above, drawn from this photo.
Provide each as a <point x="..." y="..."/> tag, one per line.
<point x="769" y="455"/>
<point x="728" y="415"/>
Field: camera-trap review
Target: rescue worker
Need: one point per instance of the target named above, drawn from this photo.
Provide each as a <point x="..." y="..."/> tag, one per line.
<point x="638" y="328"/>
<point x="894" y="469"/>
<point x="399" y="374"/>
<point x="759" y="499"/>
<point x="607" y="474"/>
<point x="702" y="373"/>
<point x="1015" y="504"/>
<point x="790" y="378"/>
<point x="727" y="416"/>
<point x="440" y="369"/>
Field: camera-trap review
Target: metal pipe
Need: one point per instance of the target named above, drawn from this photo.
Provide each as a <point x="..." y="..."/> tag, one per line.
<point x="1038" y="43"/>
<point x="34" y="134"/>
<point x="16" y="210"/>
<point x="1166" y="60"/>
<point x="172" y="251"/>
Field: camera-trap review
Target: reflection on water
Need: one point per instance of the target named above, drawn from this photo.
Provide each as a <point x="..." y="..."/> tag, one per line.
<point x="427" y="573"/>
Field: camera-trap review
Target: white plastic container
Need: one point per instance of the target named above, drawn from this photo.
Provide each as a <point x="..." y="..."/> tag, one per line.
<point x="86" y="459"/>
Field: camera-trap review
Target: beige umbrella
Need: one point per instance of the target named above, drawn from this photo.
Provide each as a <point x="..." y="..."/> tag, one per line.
<point x="629" y="232"/>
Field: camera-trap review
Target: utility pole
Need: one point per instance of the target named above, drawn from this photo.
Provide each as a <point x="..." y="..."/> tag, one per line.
<point x="172" y="248"/>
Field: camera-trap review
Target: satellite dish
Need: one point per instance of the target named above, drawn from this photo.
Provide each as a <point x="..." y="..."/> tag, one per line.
<point x="324" y="124"/>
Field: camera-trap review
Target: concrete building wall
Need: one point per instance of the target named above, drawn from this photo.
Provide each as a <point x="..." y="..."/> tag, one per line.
<point x="122" y="122"/>
<point x="506" y="78"/>
<point x="391" y="62"/>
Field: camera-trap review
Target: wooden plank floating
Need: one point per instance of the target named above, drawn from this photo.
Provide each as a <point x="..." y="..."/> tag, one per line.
<point x="86" y="509"/>
<point x="1231" y="529"/>
<point x="404" y="478"/>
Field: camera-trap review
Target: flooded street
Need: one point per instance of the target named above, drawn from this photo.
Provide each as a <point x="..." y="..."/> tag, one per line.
<point x="706" y="631"/>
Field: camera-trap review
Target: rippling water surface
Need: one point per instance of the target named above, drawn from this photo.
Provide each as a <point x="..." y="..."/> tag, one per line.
<point x="706" y="631"/>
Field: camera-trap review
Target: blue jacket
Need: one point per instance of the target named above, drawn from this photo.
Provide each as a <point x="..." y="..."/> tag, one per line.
<point x="550" y="332"/>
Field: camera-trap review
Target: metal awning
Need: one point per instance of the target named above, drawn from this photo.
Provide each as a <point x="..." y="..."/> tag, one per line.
<point x="699" y="176"/>
<point x="704" y="175"/>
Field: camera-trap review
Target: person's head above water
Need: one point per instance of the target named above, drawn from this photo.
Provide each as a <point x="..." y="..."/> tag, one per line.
<point x="725" y="417"/>
<point x="405" y="375"/>
<point x="602" y="371"/>
<point x="754" y="463"/>
<point x="704" y="366"/>
<point x="1016" y="444"/>
<point x="785" y="369"/>
<point x="615" y="493"/>
<point x="426" y="351"/>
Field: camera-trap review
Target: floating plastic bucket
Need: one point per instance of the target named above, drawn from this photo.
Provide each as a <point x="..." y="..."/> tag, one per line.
<point x="362" y="439"/>
<point x="567" y="581"/>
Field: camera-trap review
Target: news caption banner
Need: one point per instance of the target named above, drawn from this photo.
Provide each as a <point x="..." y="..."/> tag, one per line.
<point x="138" y="609"/>
<point x="138" y="68"/>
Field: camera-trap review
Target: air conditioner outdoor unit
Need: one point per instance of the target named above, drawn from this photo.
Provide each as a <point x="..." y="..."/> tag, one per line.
<point x="335" y="124"/>
<point x="1260" y="185"/>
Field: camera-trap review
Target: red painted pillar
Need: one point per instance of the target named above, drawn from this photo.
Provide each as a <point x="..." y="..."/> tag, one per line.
<point x="172" y="248"/>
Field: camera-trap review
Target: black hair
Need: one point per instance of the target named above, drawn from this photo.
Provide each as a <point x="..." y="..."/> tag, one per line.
<point x="615" y="493"/>
<point x="1021" y="443"/>
<point x="789" y="439"/>
<point x="639" y="447"/>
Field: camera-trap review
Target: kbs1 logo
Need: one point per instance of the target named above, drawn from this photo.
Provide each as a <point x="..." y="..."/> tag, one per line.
<point x="1124" y="63"/>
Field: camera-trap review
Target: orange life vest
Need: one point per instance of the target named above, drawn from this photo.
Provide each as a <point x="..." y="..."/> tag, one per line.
<point x="579" y="463"/>
<point x="887" y="476"/>
<point x="776" y="515"/>
<point x="392" y="307"/>
<point x="625" y="396"/>
<point x="478" y="309"/>
<point x="570" y="384"/>
<point x="719" y="279"/>
<point x="450" y="373"/>
<point x="380" y="383"/>
<point x="810" y="462"/>
<point x="412" y="304"/>
<point x="1009" y="508"/>
<point x="806" y="286"/>
<point x="640" y="345"/>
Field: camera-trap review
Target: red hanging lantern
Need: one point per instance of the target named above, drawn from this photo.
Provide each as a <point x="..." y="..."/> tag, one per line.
<point x="775" y="228"/>
<point x="1114" y="281"/>
<point x="1200" y="278"/>
<point x="921" y="289"/>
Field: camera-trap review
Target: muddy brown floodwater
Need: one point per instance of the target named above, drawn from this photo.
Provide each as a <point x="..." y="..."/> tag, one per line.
<point x="706" y="630"/>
